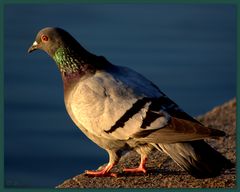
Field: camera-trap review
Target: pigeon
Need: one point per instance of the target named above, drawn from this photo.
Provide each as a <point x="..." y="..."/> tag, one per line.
<point x="121" y="111"/>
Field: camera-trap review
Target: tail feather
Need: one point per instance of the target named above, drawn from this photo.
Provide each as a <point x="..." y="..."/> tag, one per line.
<point x="197" y="157"/>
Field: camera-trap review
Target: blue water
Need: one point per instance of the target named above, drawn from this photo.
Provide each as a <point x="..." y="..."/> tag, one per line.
<point x="189" y="51"/>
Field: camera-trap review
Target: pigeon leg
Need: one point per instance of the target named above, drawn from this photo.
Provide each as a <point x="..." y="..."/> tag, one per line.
<point x="113" y="160"/>
<point x="141" y="167"/>
<point x="103" y="172"/>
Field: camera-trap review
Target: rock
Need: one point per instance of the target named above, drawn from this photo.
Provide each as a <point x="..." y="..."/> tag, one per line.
<point x="163" y="172"/>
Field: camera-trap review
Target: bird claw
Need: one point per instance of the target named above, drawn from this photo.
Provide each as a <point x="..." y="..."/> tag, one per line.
<point x="140" y="169"/>
<point x="135" y="170"/>
<point x="101" y="173"/>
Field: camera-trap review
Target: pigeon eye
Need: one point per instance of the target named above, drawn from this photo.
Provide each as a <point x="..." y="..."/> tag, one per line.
<point x="44" y="38"/>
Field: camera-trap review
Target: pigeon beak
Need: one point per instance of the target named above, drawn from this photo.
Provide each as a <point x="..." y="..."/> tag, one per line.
<point x="33" y="47"/>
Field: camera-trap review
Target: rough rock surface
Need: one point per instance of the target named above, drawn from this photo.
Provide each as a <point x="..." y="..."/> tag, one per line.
<point x="163" y="172"/>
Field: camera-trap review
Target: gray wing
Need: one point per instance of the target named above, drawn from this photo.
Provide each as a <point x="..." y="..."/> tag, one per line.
<point x="122" y="104"/>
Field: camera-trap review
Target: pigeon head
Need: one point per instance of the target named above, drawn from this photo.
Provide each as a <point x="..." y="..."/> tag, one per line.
<point x="69" y="55"/>
<point x="51" y="39"/>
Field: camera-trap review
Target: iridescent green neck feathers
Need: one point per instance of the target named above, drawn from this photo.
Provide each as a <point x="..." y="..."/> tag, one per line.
<point x="66" y="60"/>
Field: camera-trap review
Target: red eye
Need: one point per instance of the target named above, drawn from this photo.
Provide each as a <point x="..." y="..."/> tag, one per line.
<point x="44" y="38"/>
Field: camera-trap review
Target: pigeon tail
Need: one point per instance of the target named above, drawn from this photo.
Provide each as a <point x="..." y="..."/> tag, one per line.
<point x="197" y="157"/>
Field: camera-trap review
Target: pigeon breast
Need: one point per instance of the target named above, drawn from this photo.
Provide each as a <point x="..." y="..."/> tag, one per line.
<point x="113" y="106"/>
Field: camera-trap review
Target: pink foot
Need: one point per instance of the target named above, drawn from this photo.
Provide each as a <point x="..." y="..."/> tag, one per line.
<point x="102" y="173"/>
<point x="135" y="170"/>
<point x="141" y="167"/>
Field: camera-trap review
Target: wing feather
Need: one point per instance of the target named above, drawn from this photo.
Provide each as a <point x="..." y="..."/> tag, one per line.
<point x="178" y="130"/>
<point x="121" y="104"/>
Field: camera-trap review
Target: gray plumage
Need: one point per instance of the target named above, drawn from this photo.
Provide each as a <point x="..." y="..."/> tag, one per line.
<point x="120" y="110"/>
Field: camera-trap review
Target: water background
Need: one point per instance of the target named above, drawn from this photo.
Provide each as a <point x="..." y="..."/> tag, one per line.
<point x="189" y="51"/>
